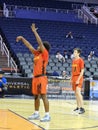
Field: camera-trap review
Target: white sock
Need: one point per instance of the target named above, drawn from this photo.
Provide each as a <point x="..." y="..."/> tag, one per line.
<point x="47" y="113"/>
<point x="36" y="112"/>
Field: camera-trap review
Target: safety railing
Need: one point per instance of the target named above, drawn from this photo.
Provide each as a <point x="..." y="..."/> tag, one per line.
<point x="4" y="50"/>
<point x="13" y="65"/>
<point x="9" y="10"/>
<point x="87" y="16"/>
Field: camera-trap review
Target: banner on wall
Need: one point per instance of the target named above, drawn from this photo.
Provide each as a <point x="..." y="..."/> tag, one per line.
<point x="22" y="85"/>
<point x="56" y="87"/>
<point x="19" y="85"/>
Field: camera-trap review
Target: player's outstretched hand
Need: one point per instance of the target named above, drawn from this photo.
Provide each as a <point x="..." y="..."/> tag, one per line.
<point x="19" y="38"/>
<point x="33" y="27"/>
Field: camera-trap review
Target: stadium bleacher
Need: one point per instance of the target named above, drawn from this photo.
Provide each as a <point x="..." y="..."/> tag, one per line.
<point x="48" y="30"/>
<point x="85" y="37"/>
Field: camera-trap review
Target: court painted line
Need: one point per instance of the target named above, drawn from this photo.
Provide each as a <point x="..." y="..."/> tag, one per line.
<point x="83" y="128"/>
<point x="10" y="120"/>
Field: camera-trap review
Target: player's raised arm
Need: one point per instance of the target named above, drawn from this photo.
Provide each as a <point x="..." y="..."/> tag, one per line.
<point x="28" y="45"/>
<point x="40" y="43"/>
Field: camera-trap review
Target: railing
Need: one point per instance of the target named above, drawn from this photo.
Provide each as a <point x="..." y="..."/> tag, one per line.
<point x="77" y="6"/>
<point x="87" y="15"/>
<point x="13" y="65"/>
<point x="5" y="51"/>
<point x="1" y="40"/>
<point x="9" y="10"/>
<point x="13" y="7"/>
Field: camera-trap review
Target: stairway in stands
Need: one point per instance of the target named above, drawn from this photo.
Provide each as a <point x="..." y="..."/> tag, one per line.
<point x="7" y="69"/>
<point x="4" y="63"/>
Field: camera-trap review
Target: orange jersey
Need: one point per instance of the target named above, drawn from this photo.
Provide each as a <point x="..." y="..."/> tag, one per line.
<point x="40" y="62"/>
<point x="77" y="66"/>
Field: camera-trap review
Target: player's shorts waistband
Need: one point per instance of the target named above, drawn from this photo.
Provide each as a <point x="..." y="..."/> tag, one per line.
<point x="40" y="75"/>
<point x="75" y="75"/>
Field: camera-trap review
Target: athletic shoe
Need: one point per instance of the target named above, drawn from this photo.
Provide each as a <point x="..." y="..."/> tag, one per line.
<point x="46" y="118"/>
<point x="81" y="111"/>
<point x="76" y="109"/>
<point x="34" y="117"/>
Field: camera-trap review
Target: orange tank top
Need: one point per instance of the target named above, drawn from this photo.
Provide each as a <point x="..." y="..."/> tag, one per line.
<point x="77" y="66"/>
<point x="40" y="62"/>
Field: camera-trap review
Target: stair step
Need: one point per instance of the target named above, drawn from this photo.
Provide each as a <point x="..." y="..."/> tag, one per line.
<point x="3" y="61"/>
<point x="4" y="64"/>
<point x="8" y="69"/>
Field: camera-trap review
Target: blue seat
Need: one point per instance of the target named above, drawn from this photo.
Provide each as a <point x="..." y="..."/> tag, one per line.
<point x="54" y="32"/>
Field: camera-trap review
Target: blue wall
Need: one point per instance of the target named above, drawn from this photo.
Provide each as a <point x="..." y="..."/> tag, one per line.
<point x="32" y="14"/>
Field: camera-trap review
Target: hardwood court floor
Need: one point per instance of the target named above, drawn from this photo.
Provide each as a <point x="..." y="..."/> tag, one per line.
<point x="62" y="117"/>
<point x="12" y="121"/>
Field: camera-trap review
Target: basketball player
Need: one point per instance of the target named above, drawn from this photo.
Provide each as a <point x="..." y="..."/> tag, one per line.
<point x="77" y="79"/>
<point x="39" y="81"/>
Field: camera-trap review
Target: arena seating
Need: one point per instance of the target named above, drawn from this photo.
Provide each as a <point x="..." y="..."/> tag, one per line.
<point x="54" y="32"/>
